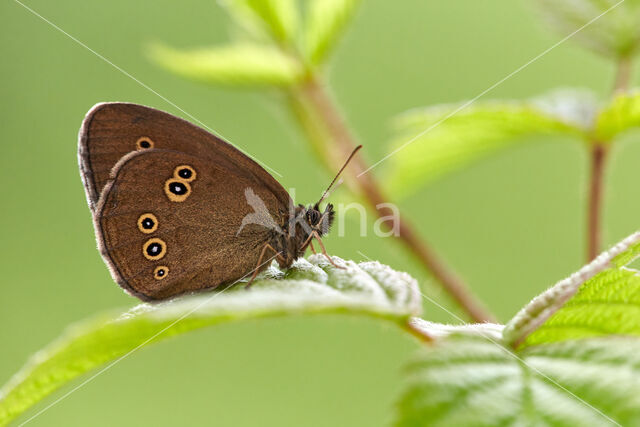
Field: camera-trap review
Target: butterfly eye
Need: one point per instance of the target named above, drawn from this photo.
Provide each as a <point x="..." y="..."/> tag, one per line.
<point x="160" y="272"/>
<point x="177" y="190"/>
<point x="185" y="172"/>
<point x="147" y="223"/>
<point x="144" y="143"/>
<point x="154" y="249"/>
<point x="313" y="217"/>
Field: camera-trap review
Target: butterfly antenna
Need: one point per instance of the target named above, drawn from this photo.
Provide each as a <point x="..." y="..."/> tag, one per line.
<point x="329" y="193"/>
<point x="326" y="192"/>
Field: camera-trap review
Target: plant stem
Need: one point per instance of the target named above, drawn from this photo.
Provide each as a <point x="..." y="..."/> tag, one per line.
<point x="315" y="95"/>
<point x="598" y="162"/>
<point x="598" y="157"/>
<point x="623" y="75"/>
<point x="410" y="327"/>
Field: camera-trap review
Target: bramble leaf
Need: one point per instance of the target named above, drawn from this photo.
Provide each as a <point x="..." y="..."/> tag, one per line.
<point x="601" y="299"/>
<point x="620" y="115"/>
<point x="277" y="18"/>
<point x="439" y="330"/>
<point x="471" y="380"/>
<point x="570" y="357"/>
<point x="236" y="65"/>
<point x="310" y="287"/>
<point x="440" y="139"/>
<point x="609" y="27"/>
<point x="326" y="20"/>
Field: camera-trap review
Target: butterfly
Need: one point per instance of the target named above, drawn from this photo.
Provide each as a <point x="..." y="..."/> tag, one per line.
<point x="177" y="210"/>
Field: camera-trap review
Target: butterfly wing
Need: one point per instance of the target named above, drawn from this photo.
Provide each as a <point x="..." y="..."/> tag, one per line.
<point x="112" y="130"/>
<point x="165" y="232"/>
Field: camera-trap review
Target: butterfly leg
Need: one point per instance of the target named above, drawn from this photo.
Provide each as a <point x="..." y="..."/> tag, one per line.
<point x="324" y="251"/>
<point x="311" y="247"/>
<point x="307" y="242"/>
<point x="259" y="263"/>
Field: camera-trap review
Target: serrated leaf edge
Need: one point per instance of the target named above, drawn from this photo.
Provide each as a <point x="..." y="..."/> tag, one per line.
<point x="491" y="331"/>
<point x="542" y="307"/>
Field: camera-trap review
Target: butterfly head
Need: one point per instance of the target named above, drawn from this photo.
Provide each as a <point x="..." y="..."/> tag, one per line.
<point x="319" y="221"/>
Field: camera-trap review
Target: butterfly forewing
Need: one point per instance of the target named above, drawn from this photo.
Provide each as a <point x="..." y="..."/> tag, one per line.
<point x="112" y="130"/>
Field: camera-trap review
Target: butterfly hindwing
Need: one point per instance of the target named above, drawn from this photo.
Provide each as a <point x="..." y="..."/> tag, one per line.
<point x="167" y="223"/>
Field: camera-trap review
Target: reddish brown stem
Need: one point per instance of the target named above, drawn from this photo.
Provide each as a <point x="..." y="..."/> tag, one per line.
<point x="623" y="75"/>
<point x="327" y="111"/>
<point x="410" y="327"/>
<point x="598" y="158"/>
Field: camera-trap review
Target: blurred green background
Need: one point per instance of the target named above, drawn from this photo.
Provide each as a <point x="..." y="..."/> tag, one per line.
<point x="511" y="225"/>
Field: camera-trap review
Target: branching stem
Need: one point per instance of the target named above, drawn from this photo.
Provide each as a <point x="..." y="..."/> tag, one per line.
<point x="598" y="157"/>
<point x="314" y="94"/>
<point x="410" y="327"/>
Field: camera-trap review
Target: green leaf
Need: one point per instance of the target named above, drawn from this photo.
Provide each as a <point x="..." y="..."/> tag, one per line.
<point x="278" y="18"/>
<point x="622" y="114"/>
<point x="609" y="27"/>
<point x="475" y="381"/>
<point x="326" y="20"/>
<point x="576" y="359"/>
<point x="437" y="140"/>
<point x="601" y="299"/>
<point x="439" y="331"/>
<point x="238" y="65"/>
<point x="310" y="287"/>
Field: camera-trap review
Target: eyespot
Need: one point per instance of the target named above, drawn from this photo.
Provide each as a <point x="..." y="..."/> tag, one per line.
<point x="160" y="272"/>
<point x="144" y="143"/>
<point x="154" y="249"/>
<point x="177" y="190"/>
<point x="185" y="173"/>
<point x="147" y="223"/>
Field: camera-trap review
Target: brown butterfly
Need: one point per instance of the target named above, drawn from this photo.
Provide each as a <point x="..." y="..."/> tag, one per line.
<point x="178" y="210"/>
